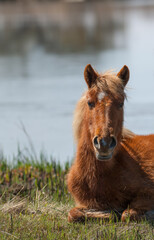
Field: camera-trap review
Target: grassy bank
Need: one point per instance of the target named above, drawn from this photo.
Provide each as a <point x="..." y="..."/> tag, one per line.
<point x="34" y="203"/>
<point x="24" y="176"/>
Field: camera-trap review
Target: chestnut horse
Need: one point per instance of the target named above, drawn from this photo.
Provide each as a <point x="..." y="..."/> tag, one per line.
<point x="113" y="168"/>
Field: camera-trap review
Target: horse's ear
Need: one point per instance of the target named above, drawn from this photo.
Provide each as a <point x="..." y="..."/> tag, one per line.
<point x="124" y="74"/>
<point x="90" y="75"/>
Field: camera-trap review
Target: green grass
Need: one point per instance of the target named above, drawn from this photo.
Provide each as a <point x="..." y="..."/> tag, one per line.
<point x="34" y="203"/>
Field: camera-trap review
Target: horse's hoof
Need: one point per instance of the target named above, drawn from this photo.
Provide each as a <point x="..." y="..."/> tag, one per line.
<point x="76" y="215"/>
<point x="131" y="215"/>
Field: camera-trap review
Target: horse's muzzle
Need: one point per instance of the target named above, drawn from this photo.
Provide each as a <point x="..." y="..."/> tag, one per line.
<point x="104" y="147"/>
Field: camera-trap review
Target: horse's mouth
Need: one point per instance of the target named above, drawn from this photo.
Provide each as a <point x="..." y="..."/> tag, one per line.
<point x="103" y="157"/>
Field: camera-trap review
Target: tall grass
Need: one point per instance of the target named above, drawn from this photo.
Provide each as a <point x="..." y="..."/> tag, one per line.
<point x="25" y="175"/>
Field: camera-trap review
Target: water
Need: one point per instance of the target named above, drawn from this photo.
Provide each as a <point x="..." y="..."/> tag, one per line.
<point x="39" y="88"/>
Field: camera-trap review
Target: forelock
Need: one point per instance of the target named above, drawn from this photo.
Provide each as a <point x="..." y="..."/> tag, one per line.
<point x="109" y="82"/>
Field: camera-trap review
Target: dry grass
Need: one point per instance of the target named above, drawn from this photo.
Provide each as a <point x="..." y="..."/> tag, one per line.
<point x="43" y="218"/>
<point x="46" y="219"/>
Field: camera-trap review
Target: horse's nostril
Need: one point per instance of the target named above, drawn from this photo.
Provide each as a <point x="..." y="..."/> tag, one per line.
<point x="113" y="143"/>
<point x="95" y="141"/>
<point x="104" y="143"/>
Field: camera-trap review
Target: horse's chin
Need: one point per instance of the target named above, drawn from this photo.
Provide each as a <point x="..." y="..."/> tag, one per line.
<point x="103" y="157"/>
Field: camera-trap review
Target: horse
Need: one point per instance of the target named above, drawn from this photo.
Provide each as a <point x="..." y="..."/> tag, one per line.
<point x="114" y="167"/>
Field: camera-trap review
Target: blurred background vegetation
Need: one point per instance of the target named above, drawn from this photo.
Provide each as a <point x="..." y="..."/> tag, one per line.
<point x="58" y="26"/>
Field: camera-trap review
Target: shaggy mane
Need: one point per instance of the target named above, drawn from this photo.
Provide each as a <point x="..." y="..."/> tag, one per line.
<point x="78" y="117"/>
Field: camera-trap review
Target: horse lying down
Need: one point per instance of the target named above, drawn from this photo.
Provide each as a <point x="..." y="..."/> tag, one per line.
<point x="113" y="168"/>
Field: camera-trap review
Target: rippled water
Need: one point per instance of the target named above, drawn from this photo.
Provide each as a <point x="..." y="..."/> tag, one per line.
<point x="39" y="89"/>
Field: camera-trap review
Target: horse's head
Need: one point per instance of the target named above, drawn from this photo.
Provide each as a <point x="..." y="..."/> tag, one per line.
<point x="104" y="111"/>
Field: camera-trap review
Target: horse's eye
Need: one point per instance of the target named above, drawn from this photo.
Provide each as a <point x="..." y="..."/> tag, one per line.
<point x="121" y="105"/>
<point x="91" y="104"/>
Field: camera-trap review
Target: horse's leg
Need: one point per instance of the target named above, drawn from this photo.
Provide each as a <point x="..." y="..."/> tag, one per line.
<point x="132" y="215"/>
<point x="76" y="214"/>
<point x="79" y="214"/>
<point x="140" y="209"/>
